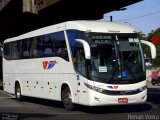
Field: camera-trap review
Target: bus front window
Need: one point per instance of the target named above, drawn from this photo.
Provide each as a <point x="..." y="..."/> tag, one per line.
<point x="103" y="58"/>
<point x="117" y="61"/>
<point x="102" y="61"/>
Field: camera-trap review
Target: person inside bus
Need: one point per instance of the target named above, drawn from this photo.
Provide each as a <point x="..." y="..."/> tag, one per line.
<point x="35" y="53"/>
<point x="48" y="51"/>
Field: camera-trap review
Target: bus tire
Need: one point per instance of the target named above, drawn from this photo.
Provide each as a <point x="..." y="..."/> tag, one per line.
<point x="18" y="94"/>
<point x="67" y="99"/>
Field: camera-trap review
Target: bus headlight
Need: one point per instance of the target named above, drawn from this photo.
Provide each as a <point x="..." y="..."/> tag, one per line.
<point x="142" y="88"/>
<point x="97" y="89"/>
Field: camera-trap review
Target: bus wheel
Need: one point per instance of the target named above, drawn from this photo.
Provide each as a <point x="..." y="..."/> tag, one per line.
<point x="18" y="92"/>
<point x="67" y="99"/>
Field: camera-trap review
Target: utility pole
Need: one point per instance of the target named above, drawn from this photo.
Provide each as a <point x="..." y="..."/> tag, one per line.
<point x="111" y="18"/>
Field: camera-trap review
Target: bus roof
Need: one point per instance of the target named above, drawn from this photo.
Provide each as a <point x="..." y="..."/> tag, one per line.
<point x="82" y="25"/>
<point x="100" y="26"/>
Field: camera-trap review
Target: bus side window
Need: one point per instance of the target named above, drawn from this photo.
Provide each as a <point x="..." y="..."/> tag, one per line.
<point x="33" y="47"/>
<point x="59" y="45"/>
<point x="48" y="51"/>
<point x="26" y="48"/>
<point x="7" y="51"/>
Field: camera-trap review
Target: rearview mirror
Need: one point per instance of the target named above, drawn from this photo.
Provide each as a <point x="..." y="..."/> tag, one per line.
<point x="86" y="47"/>
<point x="152" y="48"/>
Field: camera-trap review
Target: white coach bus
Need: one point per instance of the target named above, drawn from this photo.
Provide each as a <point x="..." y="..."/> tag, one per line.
<point x="92" y="63"/>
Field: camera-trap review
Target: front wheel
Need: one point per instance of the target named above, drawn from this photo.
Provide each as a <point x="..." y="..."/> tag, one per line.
<point x="18" y="92"/>
<point x="67" y="99"/>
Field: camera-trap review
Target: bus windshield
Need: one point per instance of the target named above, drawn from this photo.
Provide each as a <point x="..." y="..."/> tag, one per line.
<point x="116" y="59"/>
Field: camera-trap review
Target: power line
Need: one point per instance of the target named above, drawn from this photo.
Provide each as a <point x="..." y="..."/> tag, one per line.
<point x="139" y="16"/>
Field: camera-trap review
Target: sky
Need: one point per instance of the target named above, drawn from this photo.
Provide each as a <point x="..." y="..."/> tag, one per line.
<point x="143" y="16"/>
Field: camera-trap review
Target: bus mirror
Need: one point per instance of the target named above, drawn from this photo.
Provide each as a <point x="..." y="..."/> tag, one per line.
<point x="152" y="48"/>
<point x="86" y="48"/>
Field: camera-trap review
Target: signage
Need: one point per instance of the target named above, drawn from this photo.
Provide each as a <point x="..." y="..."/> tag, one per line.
<point x="113" y="87"/>
<point x="155" y="40"/>
<point x="47" y="65"/>
<point x="102" y="39"/>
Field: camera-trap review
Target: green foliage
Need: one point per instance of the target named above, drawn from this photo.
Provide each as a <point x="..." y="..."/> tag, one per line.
<point x="156" y="32"/>
<point x="146" y="49"/>
<point x="140" y="35"/>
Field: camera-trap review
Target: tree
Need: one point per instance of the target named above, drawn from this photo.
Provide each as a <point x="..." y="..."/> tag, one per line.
<point x="156" y="32"/>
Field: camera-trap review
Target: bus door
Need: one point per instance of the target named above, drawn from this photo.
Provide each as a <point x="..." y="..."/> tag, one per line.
<point x="81" y="74"/>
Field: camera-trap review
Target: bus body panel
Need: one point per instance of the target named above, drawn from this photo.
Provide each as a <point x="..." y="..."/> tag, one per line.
<point x="44" y="77"/>
<point x="98" y="99"/>
<point x="35" y="79"/>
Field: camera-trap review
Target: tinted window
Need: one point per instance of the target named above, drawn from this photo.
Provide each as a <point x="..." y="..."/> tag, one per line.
<point x="72" y="36"/>
<point x="7" y="50"/>
<point x="48" y="45"/>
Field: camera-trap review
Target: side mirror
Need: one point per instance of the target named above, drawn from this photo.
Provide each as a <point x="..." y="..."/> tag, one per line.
<point x="86" y="47"/>
<point x="152" y="47"/>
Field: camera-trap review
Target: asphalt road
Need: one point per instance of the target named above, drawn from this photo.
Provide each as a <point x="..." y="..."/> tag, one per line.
<point x="39" y="109"/>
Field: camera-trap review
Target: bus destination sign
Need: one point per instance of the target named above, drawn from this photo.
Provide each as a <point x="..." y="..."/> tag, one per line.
<point x="101" y="39"/>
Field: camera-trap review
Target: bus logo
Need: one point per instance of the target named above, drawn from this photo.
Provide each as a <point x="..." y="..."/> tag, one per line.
<point x="47" y="65"/>
<point x="113" y="87"/>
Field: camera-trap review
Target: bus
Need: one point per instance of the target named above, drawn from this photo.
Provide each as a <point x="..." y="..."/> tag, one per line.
<point x="91" y="63"/>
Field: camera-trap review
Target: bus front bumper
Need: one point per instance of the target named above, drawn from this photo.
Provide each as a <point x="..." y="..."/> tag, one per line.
<point x="99" y="99"/>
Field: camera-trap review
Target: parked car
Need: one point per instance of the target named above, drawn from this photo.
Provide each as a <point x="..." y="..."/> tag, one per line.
<point x="155" y="80"/>
<point x="155" y="77"/>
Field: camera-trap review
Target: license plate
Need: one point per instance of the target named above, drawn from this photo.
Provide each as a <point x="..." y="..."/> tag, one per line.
<point x="122" y="100"/>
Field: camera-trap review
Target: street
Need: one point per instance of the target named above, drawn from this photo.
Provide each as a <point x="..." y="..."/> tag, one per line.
<point x="39" y="109"/>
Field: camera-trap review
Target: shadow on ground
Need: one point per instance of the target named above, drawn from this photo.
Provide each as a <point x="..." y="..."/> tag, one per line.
<point x="153" y="99"/>
<point x="93" y="110"/>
